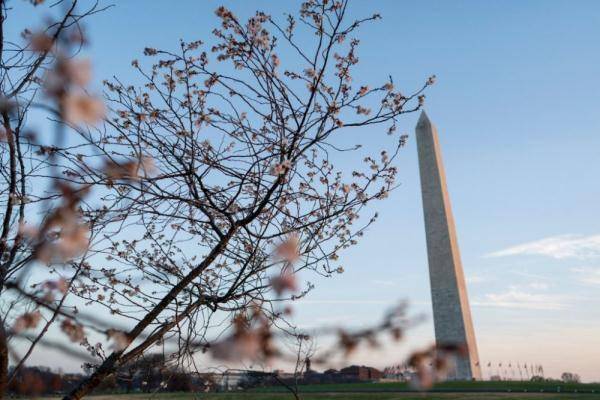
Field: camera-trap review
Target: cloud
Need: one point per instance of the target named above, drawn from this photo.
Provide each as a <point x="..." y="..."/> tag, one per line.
<point x="587" y="275"/>
<point x="537" y="277"/>
<point x="558" y="247"/>
<point x="539" y="285"/>
<point x="519" y="299"/>
<point x="473" y="279"/>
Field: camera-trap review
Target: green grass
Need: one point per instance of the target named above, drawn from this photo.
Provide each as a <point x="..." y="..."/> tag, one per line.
<point x="352" y="396"/>
<point x="393" y="391"/>
<point x="482" y="386"/>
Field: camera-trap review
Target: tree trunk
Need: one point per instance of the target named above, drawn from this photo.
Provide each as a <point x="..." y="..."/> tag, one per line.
<point x="3" y="361"/>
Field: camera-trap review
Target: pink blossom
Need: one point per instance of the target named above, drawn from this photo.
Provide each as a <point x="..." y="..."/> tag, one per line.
<point x="120" y="339"/>
<point x="74" y="331"/>
<point x="60" y="285"/>
<point x="78" y="72"/>
<point x="27" y="321"/>
<point x="285" y="281"/>
<point x="79" y="108"/>
<point x="288" y="250"/>
<point x="246" y="346"/>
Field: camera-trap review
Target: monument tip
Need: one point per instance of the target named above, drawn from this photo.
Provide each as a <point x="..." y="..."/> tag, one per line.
<point x="423" y="119"/>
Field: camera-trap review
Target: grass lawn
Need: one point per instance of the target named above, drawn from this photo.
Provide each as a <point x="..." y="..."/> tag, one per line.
<point x="353" y="396"/>
<point x="393" y="391"/>
<point x="480" y="386"/>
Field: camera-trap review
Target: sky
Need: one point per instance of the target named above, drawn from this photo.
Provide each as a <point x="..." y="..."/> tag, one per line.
<point x="516" y="104"/>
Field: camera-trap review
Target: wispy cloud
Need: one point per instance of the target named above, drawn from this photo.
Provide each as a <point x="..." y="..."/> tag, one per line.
<point x="473" y="279"/>
<point x="520" y="299"/>
<point x="537" y="277"/>
<point x="559" y="247"/>
<point x="587" y="275"/>
<point x="538" y="285"/>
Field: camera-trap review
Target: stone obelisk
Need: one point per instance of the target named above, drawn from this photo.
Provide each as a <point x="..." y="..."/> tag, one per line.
<point x="451" y="312"/>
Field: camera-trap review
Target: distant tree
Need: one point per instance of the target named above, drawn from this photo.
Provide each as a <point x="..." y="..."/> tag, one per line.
<point x="570" y="377"/>
<point x="109" y="385"/>
<point x="32" y="381"/>
<point x="178" y="381"/>
<point x="56" y="383"/>
<point x="146" y="373"/>
<point x="151" y="370"/>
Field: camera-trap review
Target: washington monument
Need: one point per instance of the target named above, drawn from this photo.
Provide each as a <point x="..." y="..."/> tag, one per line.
<point x="451" y="312"/>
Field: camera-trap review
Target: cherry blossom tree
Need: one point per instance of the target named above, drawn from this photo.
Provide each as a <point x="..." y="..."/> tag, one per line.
<point x="220" y="182"/>
<point x="189" y="214"/>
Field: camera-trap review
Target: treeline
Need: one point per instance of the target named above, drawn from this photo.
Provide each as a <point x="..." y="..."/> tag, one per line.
<point x="147" y="374"/>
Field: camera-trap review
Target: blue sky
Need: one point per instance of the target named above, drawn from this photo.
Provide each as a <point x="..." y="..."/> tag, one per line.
<point x="517" y="108"/>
